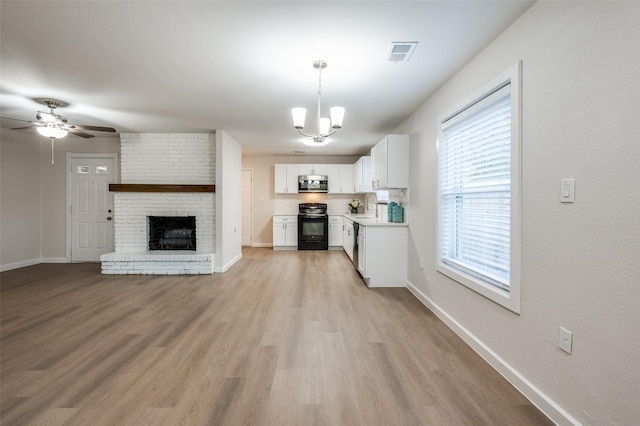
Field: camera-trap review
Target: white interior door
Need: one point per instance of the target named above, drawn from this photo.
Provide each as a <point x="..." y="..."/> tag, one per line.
<point x="91" y="208"/>
<point x="247" y="207"/>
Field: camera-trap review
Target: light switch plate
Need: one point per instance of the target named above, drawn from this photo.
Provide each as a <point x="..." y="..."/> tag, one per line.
<point x="567" y="190"/>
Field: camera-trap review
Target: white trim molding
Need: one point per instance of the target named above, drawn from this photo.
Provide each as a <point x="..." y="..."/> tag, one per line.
<point x="261" y="244"/>
<point x="229" y="264"/>
<point x="21" y="264"/>
<point x="549" y="407"/>
<point x="32" y="262"/>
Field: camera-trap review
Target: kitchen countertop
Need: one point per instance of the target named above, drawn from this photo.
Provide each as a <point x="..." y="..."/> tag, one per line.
<point x="372" y="221"/>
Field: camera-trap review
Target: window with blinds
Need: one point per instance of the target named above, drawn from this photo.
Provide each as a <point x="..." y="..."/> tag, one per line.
<point x="475" y="191"/>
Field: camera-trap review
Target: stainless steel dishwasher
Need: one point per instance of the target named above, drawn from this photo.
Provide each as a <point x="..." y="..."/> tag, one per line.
<point x="356" y="230"/>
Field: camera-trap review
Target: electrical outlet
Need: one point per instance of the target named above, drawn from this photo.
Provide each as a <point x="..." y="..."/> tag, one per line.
<point x="421" y="263"/>
<point x="565" y="338"/>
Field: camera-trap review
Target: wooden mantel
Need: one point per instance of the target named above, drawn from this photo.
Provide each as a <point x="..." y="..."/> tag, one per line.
<point x="149" y="187"/>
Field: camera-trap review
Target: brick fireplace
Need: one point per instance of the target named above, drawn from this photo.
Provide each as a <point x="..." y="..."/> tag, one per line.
<point x="171" y="159"/>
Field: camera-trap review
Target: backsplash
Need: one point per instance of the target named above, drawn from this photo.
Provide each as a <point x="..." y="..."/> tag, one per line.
<point x="336" y="203"/>
<point x="287" y="204"/>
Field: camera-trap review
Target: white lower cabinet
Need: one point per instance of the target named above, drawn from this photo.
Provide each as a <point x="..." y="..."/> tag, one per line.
<point x="335" y="231"/>
<point x="347" y="237"/>
<point x="362" y="251"/>
<point x="382" y="255"/>
<point x="285" y="232"/>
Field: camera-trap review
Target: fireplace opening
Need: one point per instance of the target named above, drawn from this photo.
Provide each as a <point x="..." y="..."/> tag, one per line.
<point x="172" y="233"/>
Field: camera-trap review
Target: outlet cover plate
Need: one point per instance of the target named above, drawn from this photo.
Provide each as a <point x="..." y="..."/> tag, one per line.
<point x="565" y="338"/>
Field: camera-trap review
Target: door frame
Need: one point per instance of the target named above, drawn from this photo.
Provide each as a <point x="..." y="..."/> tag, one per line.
<point x="251" y="239"/>
<point x="78" y="155"/>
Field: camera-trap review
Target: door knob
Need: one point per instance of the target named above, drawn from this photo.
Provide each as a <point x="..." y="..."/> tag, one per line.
<point x="108" y="217"/>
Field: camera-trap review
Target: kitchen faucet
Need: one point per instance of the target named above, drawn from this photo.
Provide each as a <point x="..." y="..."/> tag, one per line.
<point x="376" y="201"/>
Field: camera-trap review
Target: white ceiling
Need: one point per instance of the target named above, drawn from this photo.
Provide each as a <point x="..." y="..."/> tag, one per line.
<point x="238" y="66"/>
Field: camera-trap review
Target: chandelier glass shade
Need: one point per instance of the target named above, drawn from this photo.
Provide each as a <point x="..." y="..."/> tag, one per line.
<point x="325" y="127"/>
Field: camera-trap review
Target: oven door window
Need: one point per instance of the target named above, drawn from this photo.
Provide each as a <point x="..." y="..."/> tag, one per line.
<point x="312" y="228"/>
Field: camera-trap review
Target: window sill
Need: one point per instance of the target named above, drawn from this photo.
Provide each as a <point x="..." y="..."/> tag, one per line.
<point x="508" y="299"/>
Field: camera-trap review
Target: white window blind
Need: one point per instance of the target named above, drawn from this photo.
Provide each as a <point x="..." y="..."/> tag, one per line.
<point x="475" y="189"/>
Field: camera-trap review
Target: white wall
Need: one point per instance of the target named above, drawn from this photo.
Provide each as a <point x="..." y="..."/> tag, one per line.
<point x="228" y="201"/>
<point x="20" y="200"/>
<point x="581" y="261"/>
<point x="54" y="188"/>
<point x="33" y="195"/>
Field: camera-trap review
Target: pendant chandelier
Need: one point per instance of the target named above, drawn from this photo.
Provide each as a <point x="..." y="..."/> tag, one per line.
<point x="325" y="127"/>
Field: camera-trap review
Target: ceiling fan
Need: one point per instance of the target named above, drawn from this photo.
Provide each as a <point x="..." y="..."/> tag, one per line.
<point x="55" y="126"/>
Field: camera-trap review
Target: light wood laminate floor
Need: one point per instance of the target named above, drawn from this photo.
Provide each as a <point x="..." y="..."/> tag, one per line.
<point x="282" y="338"/>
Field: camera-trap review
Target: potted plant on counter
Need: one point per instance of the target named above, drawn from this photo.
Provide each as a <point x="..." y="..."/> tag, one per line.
<point x="353" y="206"/>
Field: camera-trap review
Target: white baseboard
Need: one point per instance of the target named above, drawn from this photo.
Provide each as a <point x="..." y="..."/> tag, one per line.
<point x="261" y="245"/>
<point x="55" y="260"/>
<point x="31" y="262"/>
<point x="16" y="265"/>
<point x="549" y="407"/>
<point x="229" y="264"/>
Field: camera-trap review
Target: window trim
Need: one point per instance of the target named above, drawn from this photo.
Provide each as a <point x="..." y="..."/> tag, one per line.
<point x="510" y="299"/>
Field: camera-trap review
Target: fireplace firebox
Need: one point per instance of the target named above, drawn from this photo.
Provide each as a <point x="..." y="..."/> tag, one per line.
<point x="172" y="232"/>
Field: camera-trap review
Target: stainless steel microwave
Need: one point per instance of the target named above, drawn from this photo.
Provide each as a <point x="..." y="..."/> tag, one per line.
<point x="312" y="183"/>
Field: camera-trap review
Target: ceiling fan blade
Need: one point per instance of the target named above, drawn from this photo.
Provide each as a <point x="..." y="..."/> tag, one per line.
<point x="17" y="119"/>
<point x="94" y="128"/>
<point x="78" y="133"/>
<point x="25" y="127"/>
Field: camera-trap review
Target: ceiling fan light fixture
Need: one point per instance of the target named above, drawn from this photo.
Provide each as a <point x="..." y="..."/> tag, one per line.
<point x="325" y="126"/>
<point x="51" y="131"/>
<point x="46" y="117"/>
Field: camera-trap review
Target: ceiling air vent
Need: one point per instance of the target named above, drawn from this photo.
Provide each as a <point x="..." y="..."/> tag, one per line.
<point x="400" y="51"/>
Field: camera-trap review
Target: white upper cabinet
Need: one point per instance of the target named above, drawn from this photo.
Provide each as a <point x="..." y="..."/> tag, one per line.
<point x="340" y="178"/>
<point x="390" y="163"/>
<point x="313" y="169"/>
<point x="286" y="181"/>
<point x="362" y="175"/>
<point x="346" y="178"/>
<point x="333" y="177"/>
